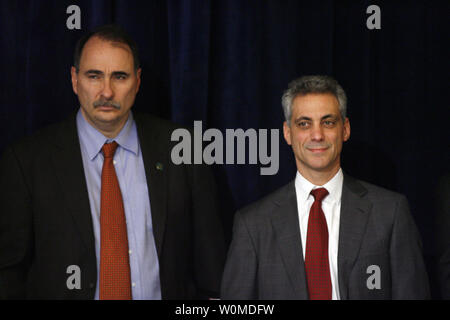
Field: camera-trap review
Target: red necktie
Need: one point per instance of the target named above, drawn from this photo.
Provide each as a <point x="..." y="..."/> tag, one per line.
<point x="114" y="261"/>
<point x="316" y="256"/>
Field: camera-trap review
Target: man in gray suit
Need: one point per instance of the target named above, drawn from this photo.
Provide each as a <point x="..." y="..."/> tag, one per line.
<point x="324" y="235"/>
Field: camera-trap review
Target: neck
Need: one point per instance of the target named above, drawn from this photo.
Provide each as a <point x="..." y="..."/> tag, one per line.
<point x="318" y="178"/>
<point x="111" y="132"/>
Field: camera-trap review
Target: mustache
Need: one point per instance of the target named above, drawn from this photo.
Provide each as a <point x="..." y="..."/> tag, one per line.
<point x="105" y="103"/>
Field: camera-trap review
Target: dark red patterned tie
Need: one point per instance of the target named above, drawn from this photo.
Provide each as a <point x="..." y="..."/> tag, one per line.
<point x="316" y="256"/>
<point x="114" y="261"/>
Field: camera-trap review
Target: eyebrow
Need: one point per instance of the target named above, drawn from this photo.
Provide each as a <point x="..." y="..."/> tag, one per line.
<point x="120" y="73"/>
<point x="93" y="72"/>
<point x="323" y="118"/>
<point x="114" y="73"/>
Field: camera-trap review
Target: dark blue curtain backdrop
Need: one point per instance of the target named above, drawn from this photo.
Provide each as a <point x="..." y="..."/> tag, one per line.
<point x="227" y="63"/>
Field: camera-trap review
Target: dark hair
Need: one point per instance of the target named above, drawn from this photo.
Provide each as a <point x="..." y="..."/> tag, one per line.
<point x="110" y="32"/>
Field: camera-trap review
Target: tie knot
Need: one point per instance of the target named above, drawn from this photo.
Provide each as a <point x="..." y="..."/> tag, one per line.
<point x="319" y="194"/>
<point x="109" y="149"/>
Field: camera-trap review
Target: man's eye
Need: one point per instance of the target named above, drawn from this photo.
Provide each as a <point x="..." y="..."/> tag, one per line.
<point x="121" y="77"/>
<point x="329" y="123"/>
<point x="303" y="124"/>
<point x="93" y="76"/>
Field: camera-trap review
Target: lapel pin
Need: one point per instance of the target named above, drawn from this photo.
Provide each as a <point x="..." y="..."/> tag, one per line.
<point x="159" y="166"/>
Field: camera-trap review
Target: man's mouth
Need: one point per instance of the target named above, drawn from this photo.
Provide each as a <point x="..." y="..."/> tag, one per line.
<point x="105" y="107"/>
<point x="317" y="149"/>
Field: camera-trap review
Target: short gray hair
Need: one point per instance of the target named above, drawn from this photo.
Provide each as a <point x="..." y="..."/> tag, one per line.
<point x="313" y="84"/>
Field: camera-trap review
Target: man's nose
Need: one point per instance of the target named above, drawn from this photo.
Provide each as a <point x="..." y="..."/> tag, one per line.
<point x="317" y="133"/>
<point x="107" y="90"/>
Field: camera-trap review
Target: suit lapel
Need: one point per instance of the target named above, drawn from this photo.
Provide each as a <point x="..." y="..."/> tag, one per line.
<point x="287" y="232"/>
<point x="156" y="163"/>
<point x="355" y="209"/>
<point x="68" y="165"/>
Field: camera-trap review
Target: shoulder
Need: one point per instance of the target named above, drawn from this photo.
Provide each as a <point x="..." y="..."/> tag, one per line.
<point x="155" y="124"/>
<point x="386" y="210"/>
<point x="386" y="206"/>
<point x="371" y="191"/>
<point x="32" y="145"/>
<point x="268" y="205"/>
<point x="159" y="131"/>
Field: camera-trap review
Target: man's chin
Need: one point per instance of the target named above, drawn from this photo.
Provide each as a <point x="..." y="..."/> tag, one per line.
<point x="319" y="166"/>
<point x="107" y="117"/>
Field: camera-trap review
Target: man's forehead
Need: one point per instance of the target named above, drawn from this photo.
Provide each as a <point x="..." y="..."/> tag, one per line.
<point x="315" y="104"/>
<point x="100" y="53"/>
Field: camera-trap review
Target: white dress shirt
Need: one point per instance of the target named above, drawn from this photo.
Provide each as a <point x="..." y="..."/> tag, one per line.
<point x="331" y="206"/>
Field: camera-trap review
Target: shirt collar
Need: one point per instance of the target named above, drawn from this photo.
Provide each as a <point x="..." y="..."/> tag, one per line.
<point x="333" y="186"/>
<point x="93" y="140"/>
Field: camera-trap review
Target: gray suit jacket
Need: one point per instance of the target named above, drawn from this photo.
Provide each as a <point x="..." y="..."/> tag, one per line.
<point x="265" y="259"/>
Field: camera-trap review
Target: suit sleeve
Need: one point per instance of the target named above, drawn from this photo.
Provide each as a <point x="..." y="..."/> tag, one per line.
<point x="209" y="240"/>
<point x="15" y="228"/>
<point x="409" y="276"/>
<point x="239" y="278"/>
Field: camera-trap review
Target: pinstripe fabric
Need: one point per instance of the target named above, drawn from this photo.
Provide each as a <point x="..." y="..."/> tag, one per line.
<point x="115" y="280"/>
<point x="317" y="266"/>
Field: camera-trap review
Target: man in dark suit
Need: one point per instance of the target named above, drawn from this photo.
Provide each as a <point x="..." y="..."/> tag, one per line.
<point x="324" y="235"/>
<point x="94" y="208"/>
